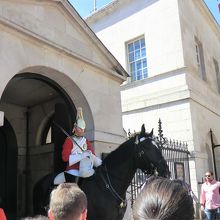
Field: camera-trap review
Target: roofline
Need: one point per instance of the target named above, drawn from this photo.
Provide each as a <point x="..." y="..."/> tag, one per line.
<point x="206" y="11"/>
<point x="102" y="11"/>
<point x="205" y="8"/>
<point x="22" y="30"/>
<point x="210" y="13"/>
<point x="72" y="11"/>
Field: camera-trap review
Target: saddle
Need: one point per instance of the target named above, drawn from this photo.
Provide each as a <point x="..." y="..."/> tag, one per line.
<point x="64" y="177"/>
<point x="86" y="169"/>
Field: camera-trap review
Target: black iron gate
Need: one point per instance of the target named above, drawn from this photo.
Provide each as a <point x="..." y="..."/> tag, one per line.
<point x="177" y="156"/>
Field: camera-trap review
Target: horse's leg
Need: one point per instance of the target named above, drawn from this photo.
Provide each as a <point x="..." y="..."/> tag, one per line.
<point x="41" y="194"/>
<point x="40" y="199"/>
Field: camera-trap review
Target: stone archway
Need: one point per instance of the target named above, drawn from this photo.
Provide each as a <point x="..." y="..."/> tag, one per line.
<point x="27" y="100"/>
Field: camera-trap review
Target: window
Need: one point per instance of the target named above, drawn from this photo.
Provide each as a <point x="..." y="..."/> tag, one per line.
<point x="137" y="60"/>
<point x="200" y="59"/>
<point x="179" y="171"/>
<point x="217" y="73"/>
<point x="46" y="137"/>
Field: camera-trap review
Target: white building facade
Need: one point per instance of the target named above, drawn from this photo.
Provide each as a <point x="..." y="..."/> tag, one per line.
<point x="171" y="50"/>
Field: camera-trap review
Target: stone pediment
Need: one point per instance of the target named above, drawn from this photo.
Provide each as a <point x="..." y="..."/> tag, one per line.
<point x="57" y="24"/>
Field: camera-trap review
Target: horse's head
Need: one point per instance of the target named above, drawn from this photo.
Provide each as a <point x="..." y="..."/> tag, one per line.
<point x="148" y="155"/>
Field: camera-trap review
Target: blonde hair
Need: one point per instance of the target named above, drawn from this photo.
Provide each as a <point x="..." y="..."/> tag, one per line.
<point x="67" y="202"/>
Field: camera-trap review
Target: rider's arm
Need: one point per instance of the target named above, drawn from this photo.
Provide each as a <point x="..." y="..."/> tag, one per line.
<point x="75" y="158"/>
<point x="67" y="147"/>
<point x="97" y="161"/>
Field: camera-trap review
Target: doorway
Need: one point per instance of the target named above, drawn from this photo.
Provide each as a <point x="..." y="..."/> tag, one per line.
<point x="30" y="101"/>
<point x="8" y="169"/>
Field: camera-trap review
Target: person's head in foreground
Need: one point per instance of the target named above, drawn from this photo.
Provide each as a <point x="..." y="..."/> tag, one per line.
<point x="67" y="202"/>
<point x="163" y="199"/>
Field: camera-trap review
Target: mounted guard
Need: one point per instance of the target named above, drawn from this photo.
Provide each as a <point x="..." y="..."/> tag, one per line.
<point x="79" y="154"/>
<point x="106" y="191"/>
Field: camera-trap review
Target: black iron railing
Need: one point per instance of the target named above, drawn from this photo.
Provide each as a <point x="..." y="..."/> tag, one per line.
<point x="175" y="153"/>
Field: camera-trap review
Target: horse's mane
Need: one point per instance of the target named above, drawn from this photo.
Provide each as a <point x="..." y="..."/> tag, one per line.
<point x="125" y="150"/>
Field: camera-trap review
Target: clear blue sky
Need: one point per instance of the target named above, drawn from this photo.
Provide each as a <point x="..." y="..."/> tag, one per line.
<point x="85" y="7"/>
<point x="213" y="7"/>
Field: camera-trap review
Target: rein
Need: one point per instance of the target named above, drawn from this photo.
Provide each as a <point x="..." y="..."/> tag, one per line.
<point x="109" y="186"/>
<point x="141" y="153"/>
<point x="107" y="180"/>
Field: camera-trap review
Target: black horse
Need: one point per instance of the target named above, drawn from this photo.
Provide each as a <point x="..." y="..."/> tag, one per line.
<point x="106" y="189"/>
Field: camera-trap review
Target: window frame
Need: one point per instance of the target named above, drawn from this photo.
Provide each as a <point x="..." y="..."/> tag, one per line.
<point x="136" y="56"/>
<point x="217" y="73"/>
<point x="46" y="130"/>
<point x="200" y="59"/>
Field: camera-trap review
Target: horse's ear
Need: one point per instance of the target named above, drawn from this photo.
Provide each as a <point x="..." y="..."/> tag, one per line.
<point x="152" y="132"/>
<point x="143" y="129"/>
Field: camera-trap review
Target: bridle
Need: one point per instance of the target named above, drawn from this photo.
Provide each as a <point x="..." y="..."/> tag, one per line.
<point x="139" y="148"/>
<point x="141" y="153"/>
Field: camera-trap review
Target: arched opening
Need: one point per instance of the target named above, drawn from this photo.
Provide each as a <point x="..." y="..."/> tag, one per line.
<point x="31" y="102"/>
<point x="8" y="169"/>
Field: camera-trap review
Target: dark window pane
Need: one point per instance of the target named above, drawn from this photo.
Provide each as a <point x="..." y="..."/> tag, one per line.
<point x="137" y="45"/>
<point x="133" y="76"/>
<point x="137" y="54"/>
<point x="131" y="57"/>
<point x="144" y="62"/>
<point x="130" y="47"/>
<point x="132" y="67"/>
<point x="145" y="72"/>
<point x="142" y="42"/>
<point x="143" y="52"/>
<point x="139" y="65"/>
<point x="139" y="75"/>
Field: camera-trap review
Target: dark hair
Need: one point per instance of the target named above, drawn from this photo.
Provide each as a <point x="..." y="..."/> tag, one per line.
<point x="163" y="199"/>
<point x="209" y="172"/>
<point x="67" y="202"/>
